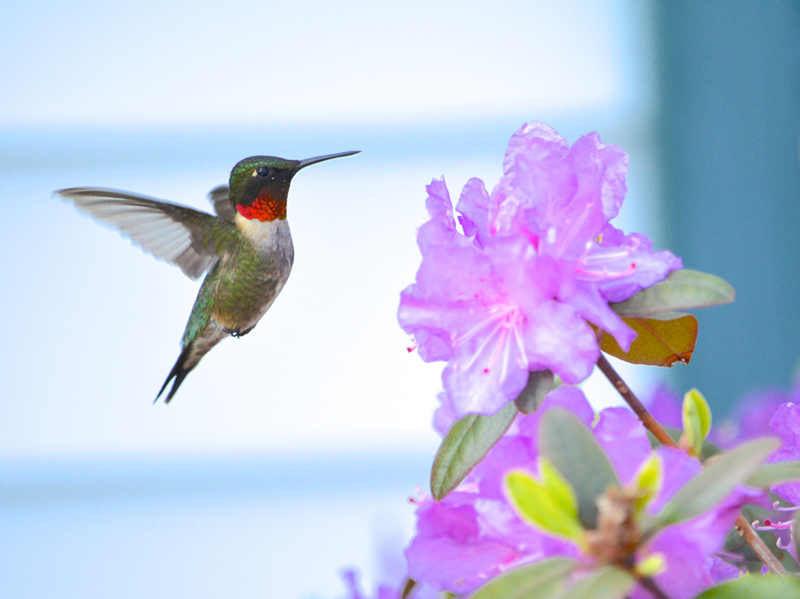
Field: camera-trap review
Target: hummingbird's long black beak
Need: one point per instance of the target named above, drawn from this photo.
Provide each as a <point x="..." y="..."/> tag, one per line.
<point x="310" y="161"/>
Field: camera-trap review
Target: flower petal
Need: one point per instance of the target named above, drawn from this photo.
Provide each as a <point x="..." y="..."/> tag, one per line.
<point x="624" y="439"/>
<point x="481" y="381"/>
<point x="442" y="225"/>
<point x="473" y="204"/>
<point x="556" y="337"/>
<point x="621" y="265"/>
<point x="594" y="308"/>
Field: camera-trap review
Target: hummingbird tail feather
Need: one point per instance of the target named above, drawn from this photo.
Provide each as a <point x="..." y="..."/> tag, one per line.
<point x="193" y="351"/>
<point x="178" y="372"/>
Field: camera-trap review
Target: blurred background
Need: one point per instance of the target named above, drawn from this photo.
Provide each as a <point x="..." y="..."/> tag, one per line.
<point x="291" y="453"/>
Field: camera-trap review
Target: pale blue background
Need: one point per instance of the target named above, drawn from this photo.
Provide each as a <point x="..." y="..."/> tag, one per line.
<point x="290" y="453"/>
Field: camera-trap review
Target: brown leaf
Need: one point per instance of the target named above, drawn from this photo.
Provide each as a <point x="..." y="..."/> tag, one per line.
<point x="662" y="340"/>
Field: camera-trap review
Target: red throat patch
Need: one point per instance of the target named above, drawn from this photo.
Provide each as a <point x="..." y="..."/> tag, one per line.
<point x="264" y="208"/>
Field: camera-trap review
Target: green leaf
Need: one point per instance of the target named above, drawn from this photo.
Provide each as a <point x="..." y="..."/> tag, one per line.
<point x="661" y="340"/>
<point x="682" y="290"/>
<point x="773" y="474"/>
<point x="652" y="565"/>
<point x="709" y="448"/>
<point x="567" y="444"/>
<point x="606" y="583"/>
<point x="548" y="504"/>
<point x="796" y="535"/>
<point x="648" y="481"/>
<point x="541" y="580"/>
<point x="465" y="445"/>
<point x="755" y="587"/>
<point x="540" y="383"/>
<point x="715" y="482"/>
<point x="696" y="421"/>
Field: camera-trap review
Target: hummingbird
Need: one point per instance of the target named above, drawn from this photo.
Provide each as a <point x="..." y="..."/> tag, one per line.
<point x="246" y="249"/>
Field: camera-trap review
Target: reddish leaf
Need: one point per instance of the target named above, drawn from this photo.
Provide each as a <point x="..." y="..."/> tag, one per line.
<point x="662" y="340"/>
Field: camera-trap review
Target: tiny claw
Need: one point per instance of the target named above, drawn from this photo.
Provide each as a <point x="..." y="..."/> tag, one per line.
<point x="236" y="333"/>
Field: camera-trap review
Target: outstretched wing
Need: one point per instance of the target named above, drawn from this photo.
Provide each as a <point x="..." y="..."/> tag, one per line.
<point x="189" y="239"/>
<point x="222" y="204"/>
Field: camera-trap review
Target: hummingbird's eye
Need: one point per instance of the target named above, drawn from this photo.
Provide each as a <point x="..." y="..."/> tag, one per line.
<point x="262" y="171"/>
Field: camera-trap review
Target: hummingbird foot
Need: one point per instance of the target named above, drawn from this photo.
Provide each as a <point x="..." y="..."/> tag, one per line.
<point x="237" y="333"/>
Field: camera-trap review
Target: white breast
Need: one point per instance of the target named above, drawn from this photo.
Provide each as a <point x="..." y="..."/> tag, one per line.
<point x="270" y="237"/>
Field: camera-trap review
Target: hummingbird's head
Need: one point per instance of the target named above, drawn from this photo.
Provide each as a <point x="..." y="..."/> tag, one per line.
<point x="259" y="185"/>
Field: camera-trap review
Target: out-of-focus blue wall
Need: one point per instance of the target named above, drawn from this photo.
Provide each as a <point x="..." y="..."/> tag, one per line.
<point x="729" y="125"/>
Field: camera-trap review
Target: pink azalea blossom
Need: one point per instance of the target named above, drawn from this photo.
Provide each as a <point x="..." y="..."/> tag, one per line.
<point x="758" y="414"/>
<point x="511" y="291"/>
<point x="664" y="404"/>
<point x="474" y="534"/>
<point x="688" y="547"/>
<point x="786" y="425"/>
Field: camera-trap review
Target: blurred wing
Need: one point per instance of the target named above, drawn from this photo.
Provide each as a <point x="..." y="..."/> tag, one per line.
<point x="222" y="203"/>
<point x="189" y="239"/>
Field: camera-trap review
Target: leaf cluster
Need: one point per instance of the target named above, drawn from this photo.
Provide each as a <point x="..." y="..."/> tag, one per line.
<point x="571" y="449"/>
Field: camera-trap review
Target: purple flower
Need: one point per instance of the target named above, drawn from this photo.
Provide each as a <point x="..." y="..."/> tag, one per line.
<point x="664" y="404"/>
<point x="754" y="413"/>
<point x="758" y="414"/>
<point x="786" y="425"/>
<point x="688" y="548"/>
<point x="512" y="291"/>
<point x="474" y="534"/>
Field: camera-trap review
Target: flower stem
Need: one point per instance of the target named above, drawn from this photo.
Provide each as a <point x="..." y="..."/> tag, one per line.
<point x="762" y="551"/>
<point x="408" y="587"/>
<point x="651" y="424"/>
<point x="637" y="406"/>
<point x="651" y="586"/>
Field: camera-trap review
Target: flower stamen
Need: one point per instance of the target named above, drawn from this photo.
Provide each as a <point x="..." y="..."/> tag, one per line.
<point x="605" y="273"/>
<point x="770" y="525"/>
<point x="789" y="508"/>
<point x="589" y="262"/>
<point x="507" y="321"/>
